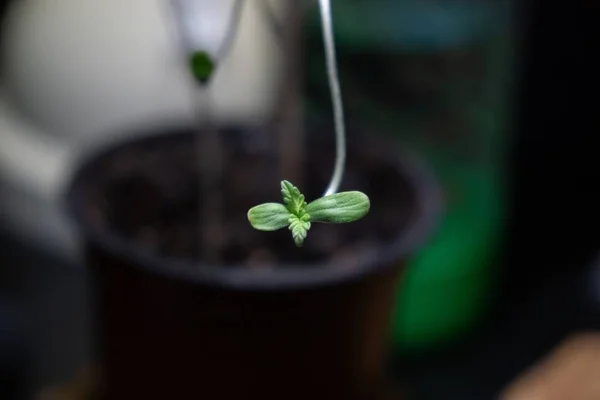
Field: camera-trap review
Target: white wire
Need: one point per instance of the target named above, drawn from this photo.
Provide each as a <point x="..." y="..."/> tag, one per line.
<point x="336" y="98"/>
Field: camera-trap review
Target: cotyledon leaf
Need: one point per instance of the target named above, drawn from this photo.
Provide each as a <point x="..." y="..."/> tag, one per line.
<point x="269" y="216"/>
<point x="339" y="208"/>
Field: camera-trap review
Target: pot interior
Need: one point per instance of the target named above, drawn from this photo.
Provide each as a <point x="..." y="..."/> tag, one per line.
<point x="148" y="194"/>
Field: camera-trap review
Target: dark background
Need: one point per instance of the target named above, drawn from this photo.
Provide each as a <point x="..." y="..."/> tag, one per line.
<point x="555" y="171"/>
<point x="552" y="239"/>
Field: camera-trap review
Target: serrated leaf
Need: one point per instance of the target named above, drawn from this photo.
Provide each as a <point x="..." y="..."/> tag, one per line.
<point x="269" y="217"/>
<point x="339" y="208"/>
<point x="293" y="199"/>
<point x="299" y="229"/>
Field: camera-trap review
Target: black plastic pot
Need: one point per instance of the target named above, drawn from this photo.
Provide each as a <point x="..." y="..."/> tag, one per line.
<point x="173" y="329"/>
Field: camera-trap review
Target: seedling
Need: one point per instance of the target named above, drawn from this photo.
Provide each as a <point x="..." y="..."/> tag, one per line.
<point x="298" y="216"/>
<point x="337" y="208"/>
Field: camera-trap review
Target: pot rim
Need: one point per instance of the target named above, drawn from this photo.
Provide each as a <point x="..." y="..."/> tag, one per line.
<point x="427" y="209"/>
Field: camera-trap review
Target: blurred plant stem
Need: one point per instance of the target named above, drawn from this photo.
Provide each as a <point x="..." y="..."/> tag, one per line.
<point x="202" y="63"/>
<point x="210" y="150"/>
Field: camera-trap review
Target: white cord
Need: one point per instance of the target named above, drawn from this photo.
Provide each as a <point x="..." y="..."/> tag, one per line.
<point x="336" y="98"/>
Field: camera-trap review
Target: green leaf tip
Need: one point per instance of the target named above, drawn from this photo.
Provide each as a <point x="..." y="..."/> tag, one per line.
<point x="293" y="199"/>
<point x="298" y="216"/>
<point x="202" y="66"/>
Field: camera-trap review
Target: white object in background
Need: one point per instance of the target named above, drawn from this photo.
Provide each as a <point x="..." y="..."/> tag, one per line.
<point x="33" y="168"/>
<point x="78" y="72"/>
<point x="201" y="25"/>
<point x="80" y="67"/>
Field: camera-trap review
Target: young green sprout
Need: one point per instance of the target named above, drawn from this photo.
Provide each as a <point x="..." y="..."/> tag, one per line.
<point x="202" y="66"/>
<point x="297" y="215"/>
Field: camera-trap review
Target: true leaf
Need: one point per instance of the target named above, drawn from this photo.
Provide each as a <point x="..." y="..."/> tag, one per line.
<point x="299" y="229"/>
<point x="293" y="199"/>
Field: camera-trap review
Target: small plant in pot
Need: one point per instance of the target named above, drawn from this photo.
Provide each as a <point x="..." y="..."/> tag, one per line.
<point x="298" y="215"/>
<point x="264" y="316"/>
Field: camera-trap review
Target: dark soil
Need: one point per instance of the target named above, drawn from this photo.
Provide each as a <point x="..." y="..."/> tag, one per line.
<point x="148" y="192"/>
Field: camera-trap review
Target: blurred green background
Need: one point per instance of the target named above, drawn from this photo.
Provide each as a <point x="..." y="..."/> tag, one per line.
<point x="436" y="76"/>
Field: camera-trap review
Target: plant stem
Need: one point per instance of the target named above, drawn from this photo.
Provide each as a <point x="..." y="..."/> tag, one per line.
<point x="210" y="149"/>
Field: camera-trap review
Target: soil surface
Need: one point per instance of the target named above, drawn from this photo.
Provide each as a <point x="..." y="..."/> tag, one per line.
<point x="149" y="193"/>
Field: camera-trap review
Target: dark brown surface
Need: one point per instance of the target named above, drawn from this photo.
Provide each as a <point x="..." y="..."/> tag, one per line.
<point x="166" y="339"/>
<point x="83" y="387"/>
<point x="170" y="332"/>
<point x="570" y="371"/>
